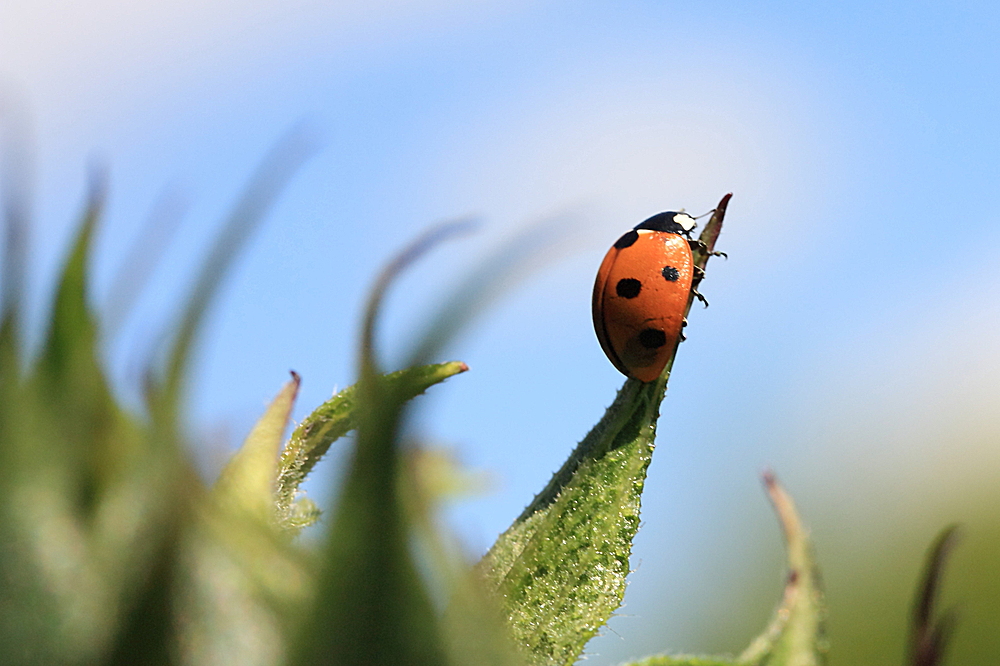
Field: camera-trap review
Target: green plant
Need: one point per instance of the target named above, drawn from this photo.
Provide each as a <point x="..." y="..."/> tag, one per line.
<point x="113" y="551"/>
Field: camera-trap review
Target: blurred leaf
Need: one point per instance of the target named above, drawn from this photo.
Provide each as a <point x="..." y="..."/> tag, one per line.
<point x="259" y="195"/>
<point x="500" y="271"/>
<point x="664" y="660"/>
<point x="15" y="197"/>
<point x="560" y="570"/>
<point x="143" y="256"/>
<point x="929" y="638"/>
<point x="86" y="506"/>
<point x="472" y="628"/>
<point x="375" y="604"/>
<point x="795" y="635"/>
<point x="442" y="477"/>
<point x="373" y="607"/>
<point x="145" y="633"/>
<point x="95" y="503"/>
<point x="82" y="429"/>
<point x="241" y="584"/>
<point x="249" y="480"/>
<point x="70" y="344"/>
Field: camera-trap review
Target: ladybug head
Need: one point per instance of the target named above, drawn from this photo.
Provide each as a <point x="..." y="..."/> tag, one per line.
<point x="671" y="222"/>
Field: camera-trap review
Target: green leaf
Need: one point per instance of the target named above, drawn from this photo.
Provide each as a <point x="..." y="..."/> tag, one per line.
<point x="85" y="431"/>
<point x="80" y="429"/>
<point x="373" y="606"/>
<point x="240" y="583"/>
<point x="70" y="343"/>
<point x="496" y="274"/>
<point x="141" y="260"/>
<point x="85" y="504"/>
<point x="15" y="186"/>
<point x="795" y="635"/>
<point x="145" y="635"/>
<point x="473" y="631"/>
<point x="98" y="508"/>
<point x="330" y="421"/>
<point x="560" y="570"/>
<point x="929" y="636"/>
<point x="259" y="195"/>
<point x="664" y="660"/>
<point x="249" y="480"/>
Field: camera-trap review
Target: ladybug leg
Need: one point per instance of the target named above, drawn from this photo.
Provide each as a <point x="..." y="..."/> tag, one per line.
<point x="699" y="274"/>
<point x="684" y="322"/>
<point x="698" y="246"/>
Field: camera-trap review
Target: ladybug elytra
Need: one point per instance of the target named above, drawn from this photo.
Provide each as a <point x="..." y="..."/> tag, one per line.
<point x="641" y="292"/>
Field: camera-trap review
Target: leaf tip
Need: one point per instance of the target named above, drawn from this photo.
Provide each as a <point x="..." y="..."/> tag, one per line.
<point x="784" y="507"/>
<point x="929" y="638"/>
<point x="770" y="481"/>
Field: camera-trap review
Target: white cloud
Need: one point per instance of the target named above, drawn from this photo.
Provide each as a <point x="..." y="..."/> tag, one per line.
<point x="62" y="47"/>
<point x="638" y="141"/>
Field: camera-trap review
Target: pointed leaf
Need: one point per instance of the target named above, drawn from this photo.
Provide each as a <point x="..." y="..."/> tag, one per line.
<point x="333" y="419"/>
<point x="94" y="438"/>
<point x="473" y="631"/>
<point x="15" y="191"/>
<point x="248" y="481"/>
<point x="84" y="510"/>
<point x="560" y="569"/>
<point x="141" y="260"/>
<point x="664" y="660"/>
<point x="70" y="344"/>
<point x="496" y="274"/>
<point x="795" y="636"/>
<point x="373" y="606"/>
<point x="259" y="195"/>
<point x="90" y="436"/>
<point x="929" y="637"/>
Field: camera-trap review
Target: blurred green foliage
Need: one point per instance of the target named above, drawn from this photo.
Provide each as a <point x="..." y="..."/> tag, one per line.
<point x="114" y="551"/>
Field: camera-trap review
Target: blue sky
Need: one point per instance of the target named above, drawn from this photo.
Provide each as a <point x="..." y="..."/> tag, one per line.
<point x="853" y="331"/>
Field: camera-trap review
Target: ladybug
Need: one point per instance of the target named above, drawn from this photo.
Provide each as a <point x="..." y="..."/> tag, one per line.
<point x="641" y="292"/>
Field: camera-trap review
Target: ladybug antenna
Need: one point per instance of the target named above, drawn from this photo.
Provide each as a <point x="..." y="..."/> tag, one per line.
<point x="696" y="217"/>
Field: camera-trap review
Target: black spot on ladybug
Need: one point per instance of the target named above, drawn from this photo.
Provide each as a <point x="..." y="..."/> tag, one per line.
<point x="627" y="240"/>
<point x="670" y="273"/>
<point x="628" y="287"/>
<point x="652" y="338"/>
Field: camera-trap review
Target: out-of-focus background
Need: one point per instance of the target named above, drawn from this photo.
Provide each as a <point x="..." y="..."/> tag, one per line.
<point x="853" y="342"/>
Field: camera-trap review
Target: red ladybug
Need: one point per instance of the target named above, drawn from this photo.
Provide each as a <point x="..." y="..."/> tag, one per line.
<point x="640" y="294"/>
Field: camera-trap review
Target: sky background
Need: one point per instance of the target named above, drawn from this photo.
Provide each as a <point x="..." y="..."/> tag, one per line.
<point x="853" y="341"/>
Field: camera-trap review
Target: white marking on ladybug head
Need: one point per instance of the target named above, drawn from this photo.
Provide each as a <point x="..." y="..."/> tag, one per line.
<point x="685" y="221"/>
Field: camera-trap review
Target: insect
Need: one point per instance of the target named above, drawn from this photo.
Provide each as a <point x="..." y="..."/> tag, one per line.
<point x="641" y="292"/>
